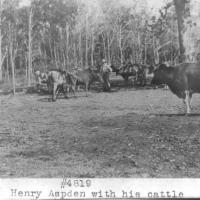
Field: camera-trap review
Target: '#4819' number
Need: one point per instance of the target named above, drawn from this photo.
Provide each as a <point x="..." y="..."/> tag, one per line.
<point x="76" y="182"/>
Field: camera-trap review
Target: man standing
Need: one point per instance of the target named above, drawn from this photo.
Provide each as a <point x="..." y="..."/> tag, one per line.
<point x="105" y="72"/>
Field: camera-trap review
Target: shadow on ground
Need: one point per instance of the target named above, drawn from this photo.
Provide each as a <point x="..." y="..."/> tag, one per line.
<point x="178" y="115"/>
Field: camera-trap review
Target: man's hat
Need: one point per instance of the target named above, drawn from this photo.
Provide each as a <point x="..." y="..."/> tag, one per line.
<point x="103" y="60"/>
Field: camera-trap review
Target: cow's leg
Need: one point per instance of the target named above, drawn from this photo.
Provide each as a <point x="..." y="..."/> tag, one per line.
<point x="73" y="87"/>
<point x="49" y="88"/>
<point x="58" y="90"/>
<point x="54" y="92"/>
<point x="65" y="92"/>
<point x="190" y="99"/>
<point x="187" y="101"/>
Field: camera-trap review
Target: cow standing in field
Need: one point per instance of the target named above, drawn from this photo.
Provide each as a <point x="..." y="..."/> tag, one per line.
<point x="183" y="80"/>
<point x="60" y="81"/>
<point x="86" y="77"/>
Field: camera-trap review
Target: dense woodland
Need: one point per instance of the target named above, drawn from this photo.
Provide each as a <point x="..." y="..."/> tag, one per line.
<point x="79" y="33"/>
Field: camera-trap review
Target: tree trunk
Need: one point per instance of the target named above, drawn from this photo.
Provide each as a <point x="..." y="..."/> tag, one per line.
<point x="80" y="49"/>
<point x="11" y="47"/>
<point x="145" y="50"/>
<point x="179" y="7"/>
<point x="64" y="61"/>
<point x="13" y="70"/>
<point x="109" y="57"/>
<point x="55" y="55"/>
<point x="137" y="56"/>
<point x="1" y="70"/>
<point x="104" y="47"/>
<point x="92" y="51"/>
<point x="155" y="51"/>
<point x="67" y="44"/>
<point x="120" y="46"/>
<point x="26" y="64"/>
<point x="7" y="67"/>
<point x="75" y="56"/>
<point x="180" y="38"/>
<point x="86" y="41"/>
<point x="30" y="48"/>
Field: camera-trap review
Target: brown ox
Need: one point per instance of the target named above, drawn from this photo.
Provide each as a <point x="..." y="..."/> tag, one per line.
<point x="183" y="80"/>
<point x="86" y="77"/>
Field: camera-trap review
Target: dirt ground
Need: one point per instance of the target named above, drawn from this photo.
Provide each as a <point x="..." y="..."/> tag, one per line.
<point x="125" y="133"/>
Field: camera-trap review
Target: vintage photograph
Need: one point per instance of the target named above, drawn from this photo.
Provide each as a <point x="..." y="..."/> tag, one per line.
<point x="100" y="88"/>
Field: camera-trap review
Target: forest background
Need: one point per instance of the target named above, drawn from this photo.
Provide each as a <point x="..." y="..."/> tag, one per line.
<point x="41" y="34"/>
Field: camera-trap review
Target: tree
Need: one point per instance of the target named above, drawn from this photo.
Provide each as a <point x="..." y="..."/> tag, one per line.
<point x="180" y="6"/>
<point x="2" y="55"/>
<point x="30" y="46"/>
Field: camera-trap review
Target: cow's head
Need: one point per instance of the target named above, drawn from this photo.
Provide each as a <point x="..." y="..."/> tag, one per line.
<point x="159" y="75"/>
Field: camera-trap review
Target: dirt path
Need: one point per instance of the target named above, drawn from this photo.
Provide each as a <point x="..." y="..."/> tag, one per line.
<point x="127" y="133"/>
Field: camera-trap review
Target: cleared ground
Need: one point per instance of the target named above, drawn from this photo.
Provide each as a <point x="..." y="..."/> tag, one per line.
<point x="125" y="133"/>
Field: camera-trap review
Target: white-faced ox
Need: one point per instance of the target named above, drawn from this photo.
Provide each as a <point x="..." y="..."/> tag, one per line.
<point x="59" y="81"/>
<point x="183" y="80"/>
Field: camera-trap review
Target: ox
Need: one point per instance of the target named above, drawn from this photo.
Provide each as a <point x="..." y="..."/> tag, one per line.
<point x="86" y="77"/>
<point x="58" y="81"/>
<point x="183" y="80"/>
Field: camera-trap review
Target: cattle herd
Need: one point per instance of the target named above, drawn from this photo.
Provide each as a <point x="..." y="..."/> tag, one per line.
<point x="58" y="80"/>
<point x="182" y="79"/>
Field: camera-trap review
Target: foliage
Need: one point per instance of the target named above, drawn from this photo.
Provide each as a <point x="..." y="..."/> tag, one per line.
<point x="69" y="33"/>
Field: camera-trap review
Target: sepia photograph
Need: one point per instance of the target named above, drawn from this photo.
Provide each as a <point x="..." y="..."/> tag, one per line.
<point x="100" y="89"/>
